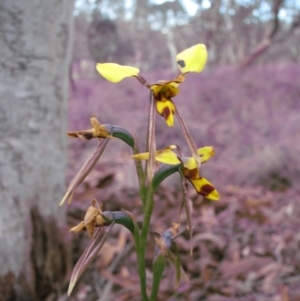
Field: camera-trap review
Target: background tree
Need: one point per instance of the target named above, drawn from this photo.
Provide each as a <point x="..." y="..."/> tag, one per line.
<point x="35" y="45"/>
<point x="235" y="32"/>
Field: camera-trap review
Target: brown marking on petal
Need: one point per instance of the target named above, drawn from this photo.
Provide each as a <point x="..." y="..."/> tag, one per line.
<point x="158" y="96"/>
<point x="170" y="90"/>
<point x="72" y="134"/>
<point x="190" y="173"/>
<point x="166" y="112"/>
<point x="168" y="94"/>
<point x="84" y="135"/>
<point x="206" y="189"/>
<point x="181" y="63"/>
<point x="88" y="136"/>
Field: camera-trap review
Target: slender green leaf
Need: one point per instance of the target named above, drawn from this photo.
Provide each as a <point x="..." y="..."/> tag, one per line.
<point x="123" y="134"/>
<point x="119" y="217"/>
<point x="163" y="173"/>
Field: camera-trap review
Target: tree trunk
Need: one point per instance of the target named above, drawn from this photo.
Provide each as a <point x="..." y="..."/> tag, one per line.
<point x="35" y="40"/>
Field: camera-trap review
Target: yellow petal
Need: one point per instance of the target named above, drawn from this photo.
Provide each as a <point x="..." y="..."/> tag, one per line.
<point x="167" y="110"/>
<point x="205" y="188"/>
<point x="166" y="156"/>
<point x="206" y="153"/>
<point x="99" y="130"/>
<point x="90" y="215"/>
<point x="100" y="221"/>
<point x="189" y="163"/>
<point x="192" y="59"/>
<point x="141" y="156"/>
<point x="115" y="73"/>
<point x="80" y="227"/>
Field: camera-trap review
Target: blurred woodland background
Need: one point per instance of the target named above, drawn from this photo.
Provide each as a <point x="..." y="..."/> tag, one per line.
<point x="246" y="103"/>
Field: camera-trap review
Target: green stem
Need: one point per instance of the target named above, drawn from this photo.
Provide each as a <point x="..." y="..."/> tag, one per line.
<point x="141" y="175"/>
<point x="147" y="196"/>
<point x="141" y="265"/>
<point x="147" y="216"/>
<point x="143" y="240"/>
<point x="142" y="273"/>
<point x="143" y="196"/>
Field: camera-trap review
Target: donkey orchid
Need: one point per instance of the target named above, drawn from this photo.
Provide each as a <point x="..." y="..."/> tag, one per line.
<point x="97" y="131"/>
<point x="192" y="59"/>
<point x="189" y="168"/>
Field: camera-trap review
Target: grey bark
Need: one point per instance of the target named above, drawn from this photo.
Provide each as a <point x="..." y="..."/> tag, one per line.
<point x="35" y="39"/>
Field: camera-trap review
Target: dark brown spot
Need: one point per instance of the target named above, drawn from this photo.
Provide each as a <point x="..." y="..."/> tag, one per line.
<point x="166" y="112"/>
<point x="181" y="63"/>
<point x="190" y="173"/>
<point x="206" y="189"/>
<point x="72" y="134"/>
<point x="88" y="136"/>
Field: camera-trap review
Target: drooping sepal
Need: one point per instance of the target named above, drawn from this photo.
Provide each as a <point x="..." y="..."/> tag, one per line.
<point x="91" y="251"/>
<point x="179" y="271"/>
<point x="84" y="171"/>
<point x="151" y="142"/>
<point x="189" y="139"/>
<point x="186" y="205"/>
<point x="158" y="267"/>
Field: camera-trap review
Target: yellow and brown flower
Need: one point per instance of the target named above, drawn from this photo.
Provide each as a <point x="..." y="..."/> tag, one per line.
<point x="92" y="219"/>
<point x="189" y="168"/>
<point x="192" y="59"/>
<point x="97" y="131"/>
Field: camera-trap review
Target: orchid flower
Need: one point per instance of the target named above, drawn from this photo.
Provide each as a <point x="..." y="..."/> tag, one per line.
<point x="189" y="168"/>
<point x="97" y="131"/>
<point x="192" y="59"/>
<point x="98" y="224"/>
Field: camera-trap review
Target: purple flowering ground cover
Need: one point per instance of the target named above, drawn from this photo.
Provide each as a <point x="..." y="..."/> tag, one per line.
<point x="247" y="245"/>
